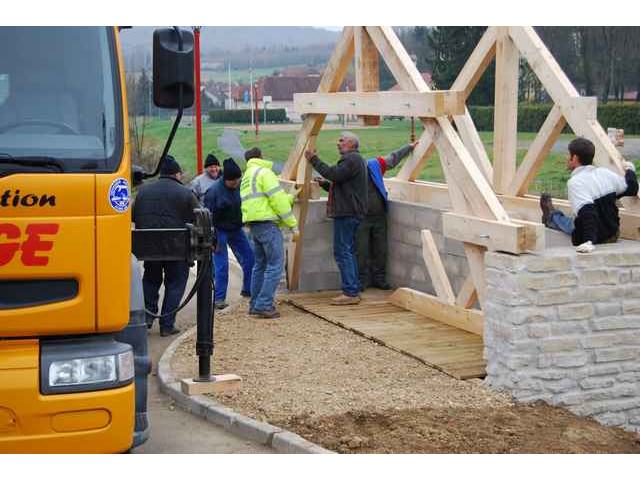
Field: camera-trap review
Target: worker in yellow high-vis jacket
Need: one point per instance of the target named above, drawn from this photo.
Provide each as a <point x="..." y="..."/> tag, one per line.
<point x="265" y="208"/>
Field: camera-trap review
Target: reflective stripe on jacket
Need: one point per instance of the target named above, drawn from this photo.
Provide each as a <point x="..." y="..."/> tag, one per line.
<point x="263" y="199"/>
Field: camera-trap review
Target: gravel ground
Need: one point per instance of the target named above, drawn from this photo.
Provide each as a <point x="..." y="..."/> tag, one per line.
<point x="350" y="394"/>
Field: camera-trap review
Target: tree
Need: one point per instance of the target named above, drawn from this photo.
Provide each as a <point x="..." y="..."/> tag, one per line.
<point x="451" y="47"/>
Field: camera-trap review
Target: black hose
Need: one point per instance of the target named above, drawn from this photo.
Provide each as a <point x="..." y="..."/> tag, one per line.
<point x="193" y="291"/>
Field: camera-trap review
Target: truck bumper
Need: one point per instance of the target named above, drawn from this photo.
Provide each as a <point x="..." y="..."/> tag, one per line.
<point x="88" y="422"/>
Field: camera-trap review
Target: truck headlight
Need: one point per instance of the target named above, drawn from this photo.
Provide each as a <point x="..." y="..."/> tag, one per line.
<point x="84" y="365"/>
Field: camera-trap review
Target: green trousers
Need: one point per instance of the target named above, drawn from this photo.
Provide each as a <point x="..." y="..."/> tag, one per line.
<point x="372" y="250"/>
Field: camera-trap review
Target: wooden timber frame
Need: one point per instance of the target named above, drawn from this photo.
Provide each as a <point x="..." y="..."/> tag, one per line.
<point x="488" y="201"/>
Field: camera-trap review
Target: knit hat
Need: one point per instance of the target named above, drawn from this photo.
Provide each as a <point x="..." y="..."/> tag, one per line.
<point x="255" y="152"/>
<point x="231" y="170"/>
<point x="211" y="160"/>
<point x="170" y="166"/>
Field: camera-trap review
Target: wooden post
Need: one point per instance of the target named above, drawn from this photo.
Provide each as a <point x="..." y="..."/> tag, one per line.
<point x="505" y="122"/>
<point x="367" y="69"/>
<point x="436" y="269"/>
<point x="300" y="209"/>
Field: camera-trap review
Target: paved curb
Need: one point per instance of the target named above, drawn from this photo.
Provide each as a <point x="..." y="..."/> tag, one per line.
<point x="282" y="441"/>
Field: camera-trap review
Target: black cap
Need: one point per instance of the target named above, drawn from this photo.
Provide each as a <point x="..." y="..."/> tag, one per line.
<point x="254" y="152"/>
<point x="231" y="170"/>
<point x="170" y="166"/>
<point x="211" y="160"/>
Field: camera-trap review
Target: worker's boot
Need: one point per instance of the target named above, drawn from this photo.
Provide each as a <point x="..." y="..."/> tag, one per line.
<point x="546" y="205"/>
<point x="345" y="300"/>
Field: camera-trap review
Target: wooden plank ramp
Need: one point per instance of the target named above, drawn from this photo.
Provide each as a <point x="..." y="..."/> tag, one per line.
<point x="445" y="348"/>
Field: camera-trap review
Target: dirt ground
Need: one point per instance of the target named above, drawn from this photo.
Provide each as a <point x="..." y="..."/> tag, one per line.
<point x="351" y="395"/>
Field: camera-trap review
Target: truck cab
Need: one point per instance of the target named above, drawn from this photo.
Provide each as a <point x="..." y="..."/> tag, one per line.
<point x="67" y="378"/>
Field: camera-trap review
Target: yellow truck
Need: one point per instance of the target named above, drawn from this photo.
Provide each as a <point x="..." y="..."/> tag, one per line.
<point x="73" y="359"/>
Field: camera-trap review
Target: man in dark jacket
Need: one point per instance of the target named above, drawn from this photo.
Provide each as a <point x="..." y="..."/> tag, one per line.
<point x="165" y="203"/>
<point x="372" y="233"/>
<point x="347" y="205"/>
<point x="593" y="192"/>
<point x="223" y="201"/>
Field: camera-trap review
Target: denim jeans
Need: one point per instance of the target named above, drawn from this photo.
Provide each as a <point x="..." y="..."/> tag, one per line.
<point x="344" y="251"/>
<point x="176" y="275"/>
<point x="268" y="249"/>
<point x="559" y="221"/>
<point x="237" y="240"/>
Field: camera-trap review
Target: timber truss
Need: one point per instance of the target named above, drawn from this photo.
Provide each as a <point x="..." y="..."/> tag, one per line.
<point x="487" y="201"/>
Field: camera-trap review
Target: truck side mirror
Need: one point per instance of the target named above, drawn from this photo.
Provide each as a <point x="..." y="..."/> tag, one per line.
<point x="172" y="67"/>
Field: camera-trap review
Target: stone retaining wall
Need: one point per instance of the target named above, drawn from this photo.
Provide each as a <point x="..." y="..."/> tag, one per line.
<point x="564" y="328"/>
<point x="405" y="266"/>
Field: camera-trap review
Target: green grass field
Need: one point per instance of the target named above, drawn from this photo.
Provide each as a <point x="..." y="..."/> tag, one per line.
<point x="275" y="146"/>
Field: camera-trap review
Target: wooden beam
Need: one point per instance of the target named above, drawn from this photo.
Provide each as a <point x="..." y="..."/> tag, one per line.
<point x="473" y="143"/>
<point x="432" y="307"/>
<point x="367" y="69"/>
<point x="436" y="269"/>
<point x="334" y="74"/>
<point x="505" y="120"/>
<point x="538" y="151"/>
<point x="300" y="210"/>
<point x="491" y="234"/>
<point x="467" y="296"/>
<point x="397" y="59"/>
<point x="436" y="195"/>
<point x="414" y="165"/>
<point x="290" y="185"/>
<point x="406" y="104"/>
<point x="477" y="63"/>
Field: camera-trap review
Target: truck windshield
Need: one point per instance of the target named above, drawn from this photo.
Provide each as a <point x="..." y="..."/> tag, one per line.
<point x="60" y="97"/>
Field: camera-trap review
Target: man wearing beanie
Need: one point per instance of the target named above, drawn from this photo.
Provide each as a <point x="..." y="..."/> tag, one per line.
<point x="165" y="203"/>
<point x="200" y="184"/>
<point x="265" y="208"/>
<point x="223" y="201"/>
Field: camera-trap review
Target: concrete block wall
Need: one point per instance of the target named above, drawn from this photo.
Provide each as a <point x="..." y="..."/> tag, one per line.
<point x="405" y="266"/>
<point x="564" y="328"/>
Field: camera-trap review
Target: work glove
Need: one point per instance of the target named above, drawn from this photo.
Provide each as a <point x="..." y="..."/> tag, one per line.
<point x="628" y="165"/>
<point x="586" y="247"/>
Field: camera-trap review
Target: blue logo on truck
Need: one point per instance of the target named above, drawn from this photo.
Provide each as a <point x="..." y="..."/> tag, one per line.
<point x="119" y="195"/>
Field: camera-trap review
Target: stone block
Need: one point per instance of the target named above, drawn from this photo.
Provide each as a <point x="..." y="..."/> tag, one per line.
<point x="548" y="264"/>
<point x="580" y="327"/>
<point x="624" y="390"/>
<point x="593" y="294"/>
<point x="517" y="362"/>
<point x="404" y="215"/>
<point x="635" y="275"/>
<point x="593" y="260"/>
<point x="550" y="374"/>
<point x="619" y="405"/>
<point x="563" y="360"/>
<point x="546" y="281"/>
<point x="631" y="307"/>
<point x="605" y="309"/>
<point x="560" y="386"/>
<point x="575" y="312"/>
<point x="629" y="377"/>
<point x="314" y="282"/>
<point x="625" y="259"/>
<point x="504" y="261"/>
<point x="601" y="341"/>
<point x="598" y="277"/>
<point x="624" y="276"/>
<point x="603" y="355"/>
<point x="539" y="330"/>
<point x="411" y="236"/>
<point x="555" y="345"/>
<point x="555" y="296"/>
<point x="597" y="382"/>
<point x="611" y="419"/>
<point x="429" y="219"/>
<point x="570" y="398"/>
<point x="616" y="323"/>
<point x="251" y="429"/>
<point x="454" y="247"/>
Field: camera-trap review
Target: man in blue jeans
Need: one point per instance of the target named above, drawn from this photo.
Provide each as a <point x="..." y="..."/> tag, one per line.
<point x="265" y="208"/>
<point x="347" y="205"/>
<point x="223" y="201"/>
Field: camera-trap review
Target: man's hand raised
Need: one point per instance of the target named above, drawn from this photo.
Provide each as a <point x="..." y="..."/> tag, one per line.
<point x="309" y="154"/>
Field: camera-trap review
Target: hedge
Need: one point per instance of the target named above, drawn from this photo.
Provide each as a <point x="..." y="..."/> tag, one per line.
<point x="531" y="117"/>
<point x="276" y="115"/>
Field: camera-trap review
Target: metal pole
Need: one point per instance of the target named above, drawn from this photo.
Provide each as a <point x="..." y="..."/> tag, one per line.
<point x="251" y="93"/>
<point x="205" y="317"/>
<point x="196" y="39"/>
<point x="257" y="112"/>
